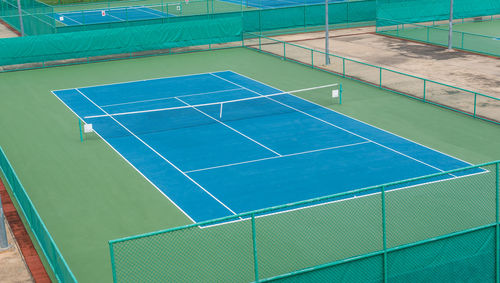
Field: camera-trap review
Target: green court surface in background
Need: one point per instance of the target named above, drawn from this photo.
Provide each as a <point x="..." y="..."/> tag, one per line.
<point x="487" y="27"/>
<point x="87" y="194"/>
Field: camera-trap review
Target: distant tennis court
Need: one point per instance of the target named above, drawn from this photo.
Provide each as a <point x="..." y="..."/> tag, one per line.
<point x="220" y="143"/>
<point x="109" y="15"/>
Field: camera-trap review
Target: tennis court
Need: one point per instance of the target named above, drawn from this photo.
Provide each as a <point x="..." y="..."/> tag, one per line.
<point x="219" y="144"/>
<point x="109" y="15"/>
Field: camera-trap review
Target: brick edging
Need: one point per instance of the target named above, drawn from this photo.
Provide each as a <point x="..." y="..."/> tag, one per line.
<point x="27" y="248"/>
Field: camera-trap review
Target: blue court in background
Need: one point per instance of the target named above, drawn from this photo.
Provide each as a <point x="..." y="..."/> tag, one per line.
<point x="269" y="4"/>
<point x="261" y="153"/>
<point x="111" y="15"/>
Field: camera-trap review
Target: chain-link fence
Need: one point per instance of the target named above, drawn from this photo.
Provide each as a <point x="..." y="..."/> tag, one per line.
<point x="465" y="101"/>
<point x="443" y="226"/>
<point x="433" y="33"/>
<point x="36" y="225"/>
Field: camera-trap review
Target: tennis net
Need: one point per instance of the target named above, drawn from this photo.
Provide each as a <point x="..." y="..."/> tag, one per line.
<point x="172" y="113"/>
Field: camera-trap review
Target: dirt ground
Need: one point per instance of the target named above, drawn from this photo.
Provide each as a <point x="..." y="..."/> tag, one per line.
<point x="469" y="71"/>
<point x="6" y="32"/>
<point x="12" y="267"/>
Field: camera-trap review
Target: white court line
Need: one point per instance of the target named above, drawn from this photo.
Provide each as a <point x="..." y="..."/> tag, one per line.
<point x="141" y="7"/>
<point x="275" y="157"/>
<point x="333" y="125"/>
<point x="70" y="19"/>
<point x="357" y="120"/>
<point x="126" y="160"/>
<point x="344" y="198"/>
<point x="161" y="156"/>
<point x="230" y="128"/>
<point x="173" y="97"/>
<point x="118" y="18"/>
<point x="138" y="81"/>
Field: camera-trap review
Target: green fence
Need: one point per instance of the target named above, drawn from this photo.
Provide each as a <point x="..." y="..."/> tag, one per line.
<point x="295" y="19"/>
<point x="415" y="11"/>
<point x="35" y="16"/>
<point x="428" y="33"/>
<point x="78" y="47"/>
<point x="458" y="99"/>
<point x="443" y="227"/>
<point x="52" y="254"/>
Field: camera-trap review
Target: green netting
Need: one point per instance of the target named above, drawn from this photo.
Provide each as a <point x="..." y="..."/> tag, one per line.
<point x="476" y="26"/>
<point x="461" y="100"/>
<point x="437" y="34"/>
<point x="302" y="17"/>
<point x="309" y="16"/>
<point x="468" y="257"/>
<point x="413" y="11"/>
<point x="120" y="40"/>
<point x="36" y="224"/>
<point x="402" y="231"/>
<point x="35" y="16"/>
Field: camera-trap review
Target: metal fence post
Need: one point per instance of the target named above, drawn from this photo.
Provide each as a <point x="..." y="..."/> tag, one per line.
<point x="475" y="103"/>
<point x="284" y="50"/>
<point x="497" y="227"/>
<point x="380" y="78"/>
<point x="4" y="244"/>
<point x="312" y="58"/>
<point x="384" y="233"/>
<point x="343" y="67"/>
<point x="254" y="241"/>
<point x="425" y="85"/>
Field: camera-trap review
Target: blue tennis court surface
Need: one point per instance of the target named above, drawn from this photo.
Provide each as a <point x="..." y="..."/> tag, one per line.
<point x="268" y="4"/>
<point x="108" y="15"/>
<point x="214" y="161"/>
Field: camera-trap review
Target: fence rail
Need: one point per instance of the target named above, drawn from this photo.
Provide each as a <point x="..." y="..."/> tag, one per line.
<point x="430" y="33"/>
<point x="433" y="226"/>
<point x="465" y="101"/>
<point x="37" y="226"/>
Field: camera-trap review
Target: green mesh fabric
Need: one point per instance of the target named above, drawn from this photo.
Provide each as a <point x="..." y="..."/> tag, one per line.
<point x="306" y="16"/>
<point x="120" y="40"/>
<point x="413" y="11"/>
<point x="419" y="230"/>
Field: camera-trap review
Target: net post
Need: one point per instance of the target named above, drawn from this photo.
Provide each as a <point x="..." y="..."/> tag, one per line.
<point x="384" y="234"/>
<point x="254" y="241"/>
<point x="312" y="58"/>
<point x="80" y="128"/>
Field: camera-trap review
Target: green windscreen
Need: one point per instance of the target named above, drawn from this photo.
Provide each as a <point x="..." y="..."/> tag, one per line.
<point x="86" y="44"/>
<point x="413" y="11"/>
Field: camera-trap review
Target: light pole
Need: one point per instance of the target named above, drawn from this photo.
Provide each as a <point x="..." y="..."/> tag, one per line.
<point x="450" y="27"/>
<point x="20" y="11"/>
<point x="327" y="33"/>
